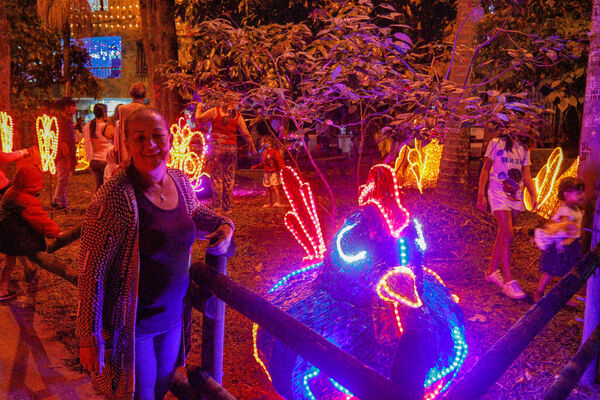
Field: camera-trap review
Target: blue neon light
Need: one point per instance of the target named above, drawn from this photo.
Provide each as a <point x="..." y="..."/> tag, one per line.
<point x="460" y="354"/>
<point x="420" y="240"/>
<point x="403" y="254"/>
<point x="311" y="373"/>
<point x="286" y="278"/>
<point x="338" y="242"/>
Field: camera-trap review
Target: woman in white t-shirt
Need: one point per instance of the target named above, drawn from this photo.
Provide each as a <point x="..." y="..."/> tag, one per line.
<point x="97" y="143"/>
<point x="507" y="165"/>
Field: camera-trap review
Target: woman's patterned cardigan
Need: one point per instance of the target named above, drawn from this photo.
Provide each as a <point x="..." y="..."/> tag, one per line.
<point x="109" y="273"/>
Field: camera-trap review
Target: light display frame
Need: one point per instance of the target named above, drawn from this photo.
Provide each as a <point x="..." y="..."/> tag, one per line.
<point x="47" y="135"/>
<point x="6" y="132"/>
<point x="183" y="158"/>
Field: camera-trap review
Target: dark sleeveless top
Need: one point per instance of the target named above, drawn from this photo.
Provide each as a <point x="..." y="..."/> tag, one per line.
<point x="165" y="238"/>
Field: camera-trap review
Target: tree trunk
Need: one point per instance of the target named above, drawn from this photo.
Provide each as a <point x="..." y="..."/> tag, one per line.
<point x="66" y="36"/>
<point x="588" y="171"/>
<point x="160" y="46"/>
<point x="4" y="60"/>
<point x="454" y="165"/>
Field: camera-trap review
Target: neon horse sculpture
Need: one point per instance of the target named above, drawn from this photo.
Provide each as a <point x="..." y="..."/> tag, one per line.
<point x="369" y="293"/>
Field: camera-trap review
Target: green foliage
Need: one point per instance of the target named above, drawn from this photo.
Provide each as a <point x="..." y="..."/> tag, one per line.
<point x="359" y="69"/>
<point x="36" y="60"/>
<point x="552" y="35"/>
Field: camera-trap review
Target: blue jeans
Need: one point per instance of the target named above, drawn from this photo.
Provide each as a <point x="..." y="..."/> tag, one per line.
<point x="155" y="362"/>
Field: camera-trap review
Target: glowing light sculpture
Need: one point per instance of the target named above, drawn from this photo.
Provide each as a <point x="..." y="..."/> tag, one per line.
<point x="363" y="292"/>
<point x="47" y="135"/>
<point x="183" y="157"/>
<point x="546" y="184"/>
<point x="6" y="132"/>
<point x="82" y="163"/>
<point x="422" y="165"/>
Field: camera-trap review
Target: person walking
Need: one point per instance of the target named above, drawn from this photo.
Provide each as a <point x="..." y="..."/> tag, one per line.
<point x="225" y="122"/>
<point x="507" y="164"/>
<point x="66" y="156"/>
<point x="97" y="144"/>
<point x="138" y="96"/>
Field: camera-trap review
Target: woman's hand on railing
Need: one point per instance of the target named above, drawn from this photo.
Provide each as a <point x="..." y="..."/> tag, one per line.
<point x="220" y="240"/>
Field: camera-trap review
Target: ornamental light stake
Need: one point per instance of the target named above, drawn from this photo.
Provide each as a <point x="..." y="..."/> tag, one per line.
<point x="47" y="135"/>
<point x="6" y="132"/>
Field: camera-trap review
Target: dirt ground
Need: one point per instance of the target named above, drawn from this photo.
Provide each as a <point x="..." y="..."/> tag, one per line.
<point x="459" y="244"/>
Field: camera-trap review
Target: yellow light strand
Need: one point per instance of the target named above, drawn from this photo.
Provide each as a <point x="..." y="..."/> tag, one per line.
<point x="545" y="180"/>
<point x="552" y="203"/>
<point x="47" y="141"/>
<point x="182" y="157"/>
<point x="423" y="165"/>
<point x="82" y="163"/>
<point x="256" y="355"/>
<point x="6" y="132"/>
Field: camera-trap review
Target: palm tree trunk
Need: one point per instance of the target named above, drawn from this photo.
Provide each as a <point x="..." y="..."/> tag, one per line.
<point x="454" y="165"/>
<point x="66" y="36"/>
<point x="160" y="46"/>
<point x="589" y="171"/>
<point x="4" y="60"/>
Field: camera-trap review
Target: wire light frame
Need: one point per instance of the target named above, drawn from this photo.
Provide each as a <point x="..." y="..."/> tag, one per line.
<point x="47" y="134"/>
<point x="423" y="165"/>
<point x="6" y="132"/>
<point x="183" y="157"/>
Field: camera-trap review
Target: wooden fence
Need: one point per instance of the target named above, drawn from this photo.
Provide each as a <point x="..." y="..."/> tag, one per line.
<point x="208" y="279"/>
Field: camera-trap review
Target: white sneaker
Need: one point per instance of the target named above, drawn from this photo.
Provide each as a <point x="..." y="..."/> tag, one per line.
<point x="513" y="290"/>
<point x="496" y="278"/>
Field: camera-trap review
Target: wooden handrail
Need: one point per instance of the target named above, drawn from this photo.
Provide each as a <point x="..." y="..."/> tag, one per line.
<point x="364" y="382"/>
<point x="569" y="377"/>
<point x="490" y="367"/>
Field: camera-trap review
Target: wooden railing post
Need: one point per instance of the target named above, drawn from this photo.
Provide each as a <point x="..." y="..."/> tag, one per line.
<point x="213" y="326"/>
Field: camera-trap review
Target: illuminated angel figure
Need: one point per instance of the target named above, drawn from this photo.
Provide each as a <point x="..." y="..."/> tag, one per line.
<point x="47" y="135"/>
<point x="368" y="293"/>
<point x="188" y="153"/>
<point x="6" y="132"/>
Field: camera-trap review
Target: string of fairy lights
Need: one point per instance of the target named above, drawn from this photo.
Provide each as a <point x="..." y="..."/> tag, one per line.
<point x="6" y="132"/>
<point x="47" y="134"/>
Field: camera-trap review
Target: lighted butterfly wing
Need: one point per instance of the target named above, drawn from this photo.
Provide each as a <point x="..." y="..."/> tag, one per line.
<point x="47" y="134"/>
<point x="303" y="221"/>
<point x="6" y="132"/>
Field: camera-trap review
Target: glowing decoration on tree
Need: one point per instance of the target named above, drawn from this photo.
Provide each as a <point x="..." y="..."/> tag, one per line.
<point x="419" y="166"/>
<point x="47" y="135"/>
<point x="6" y="132"/>
<point x="82" y="163"/>
<point x="363" y="292"/>
<point x="184" y="156"/>
<point x="546" y="184"/>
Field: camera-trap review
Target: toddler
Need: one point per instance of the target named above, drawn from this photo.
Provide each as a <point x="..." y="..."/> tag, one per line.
<point x="23" y="224"/>
<point x="559" y="238"/>
<point x="272" y="163"/>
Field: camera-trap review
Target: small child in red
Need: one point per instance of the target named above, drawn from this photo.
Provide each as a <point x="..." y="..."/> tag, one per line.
<point x="272" y="163"/>
<point x="23" y="224"/>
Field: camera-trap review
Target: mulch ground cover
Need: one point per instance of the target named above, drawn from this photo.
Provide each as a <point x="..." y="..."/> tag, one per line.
<point x="459" y="240"/>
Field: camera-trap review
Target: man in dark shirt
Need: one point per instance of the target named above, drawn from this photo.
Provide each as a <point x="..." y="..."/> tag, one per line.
<point x="66" y="156"/>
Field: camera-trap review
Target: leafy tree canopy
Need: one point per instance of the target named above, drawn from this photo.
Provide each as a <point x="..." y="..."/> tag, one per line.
<point x="560" y="74"/>
<point x="36" y="60"/>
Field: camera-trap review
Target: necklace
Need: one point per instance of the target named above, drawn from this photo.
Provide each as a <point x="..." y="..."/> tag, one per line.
<point x="160" y="193"/>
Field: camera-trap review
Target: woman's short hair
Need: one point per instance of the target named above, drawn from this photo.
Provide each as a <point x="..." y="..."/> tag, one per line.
<point x="569" y="185"/>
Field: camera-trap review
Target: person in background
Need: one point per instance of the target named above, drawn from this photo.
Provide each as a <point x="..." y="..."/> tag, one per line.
<point x="78" y="128"/>
<point x="272" y="163"/>
<point x="559" y="239"/>
<point x="66" y="157"/>
<point x="507" y="165"/>
<point x="23" y="225"/>
<point x="225" y="122"/>
<point x="138" y="96"/>
<point x="135" y="254"/>
<point x="97" y="144"/>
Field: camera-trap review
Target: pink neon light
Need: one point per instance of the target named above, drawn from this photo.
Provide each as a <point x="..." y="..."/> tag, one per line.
<point x="303" y="221"/>
<point x="381" y="189"/>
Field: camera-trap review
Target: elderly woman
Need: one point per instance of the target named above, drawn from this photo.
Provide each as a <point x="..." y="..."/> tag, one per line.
<point x="135" y="253"/>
